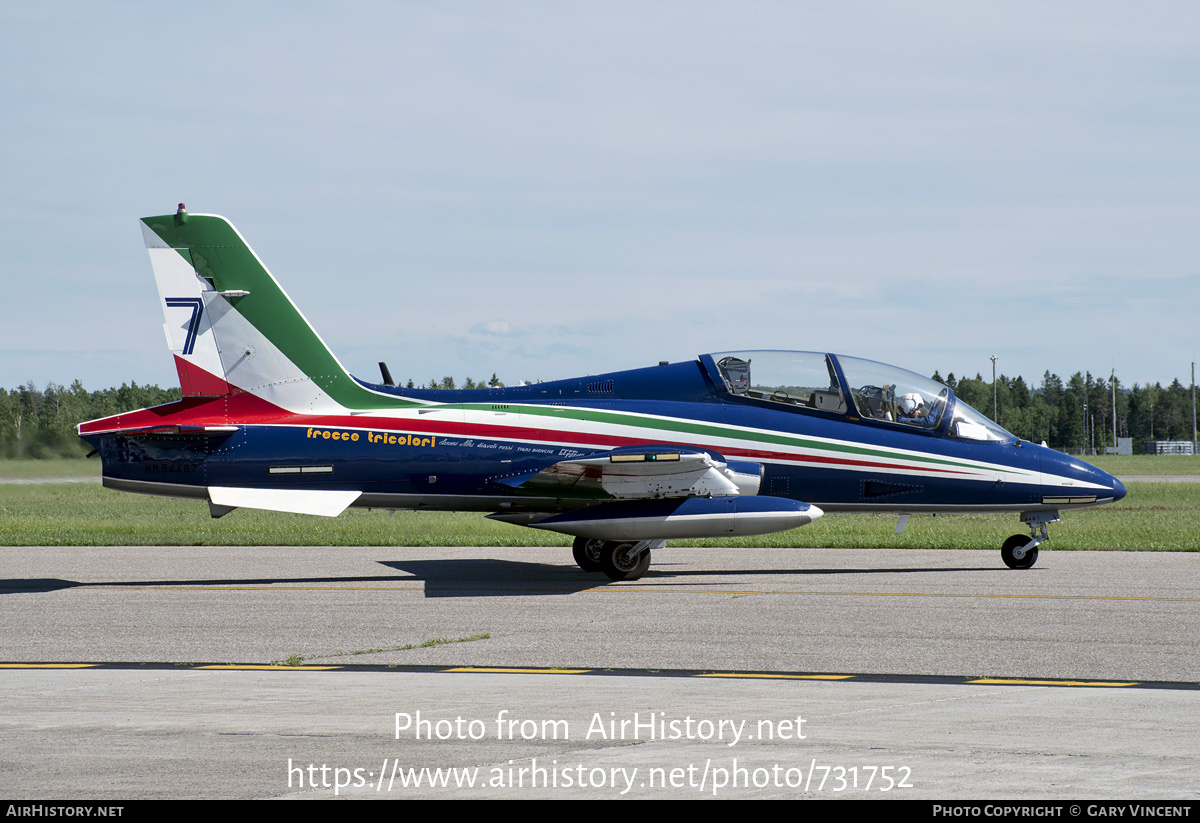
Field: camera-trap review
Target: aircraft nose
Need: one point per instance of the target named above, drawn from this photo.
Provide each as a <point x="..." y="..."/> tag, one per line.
<point x="1103" y="478"/>
<point x="1068" y="477"/>
<point x="1118" y="489"/>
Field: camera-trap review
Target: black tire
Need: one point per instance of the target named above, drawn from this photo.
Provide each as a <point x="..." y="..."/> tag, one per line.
<point x="620" y="564"/>
<point x="1011" y="545"/>
<point x="587" y="552"/>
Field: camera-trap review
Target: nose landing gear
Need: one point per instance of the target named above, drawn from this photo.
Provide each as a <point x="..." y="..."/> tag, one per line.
<point x="1021" y="552"/>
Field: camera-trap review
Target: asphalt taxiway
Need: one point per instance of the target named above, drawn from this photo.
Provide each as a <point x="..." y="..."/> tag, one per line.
<point x="969" y="660"/>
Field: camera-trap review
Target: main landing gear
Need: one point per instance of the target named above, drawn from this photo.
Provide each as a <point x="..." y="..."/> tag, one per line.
<point x="1019" y="551"/>
<point x="619" y="559"/>
<point x="586" y="551"/>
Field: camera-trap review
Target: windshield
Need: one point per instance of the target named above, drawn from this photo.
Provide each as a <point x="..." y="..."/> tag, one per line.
<point x="971" y="425"/>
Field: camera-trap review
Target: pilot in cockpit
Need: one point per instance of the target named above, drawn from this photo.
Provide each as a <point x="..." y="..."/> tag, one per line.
<point x="912" y="410"/>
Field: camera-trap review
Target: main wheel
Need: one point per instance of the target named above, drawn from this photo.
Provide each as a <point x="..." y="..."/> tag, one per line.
<point x="620" y="563"/>
<point x="1007" y="552"/>
<point x="587" y="552"/>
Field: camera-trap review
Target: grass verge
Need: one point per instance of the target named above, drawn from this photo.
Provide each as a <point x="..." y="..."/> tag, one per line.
<point x="1131" y="465"/>
<point x="57" y="467"/>
<point x="1154" y="516"/>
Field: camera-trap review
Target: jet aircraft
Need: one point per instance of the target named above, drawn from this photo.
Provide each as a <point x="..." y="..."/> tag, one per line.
<point x="733" y="443"/>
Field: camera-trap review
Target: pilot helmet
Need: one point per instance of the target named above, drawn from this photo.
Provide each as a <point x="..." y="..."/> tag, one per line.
<point x="909" y="404"/>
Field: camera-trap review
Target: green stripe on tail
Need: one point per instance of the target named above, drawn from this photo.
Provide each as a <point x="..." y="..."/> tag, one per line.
<point x="213" y="246"/>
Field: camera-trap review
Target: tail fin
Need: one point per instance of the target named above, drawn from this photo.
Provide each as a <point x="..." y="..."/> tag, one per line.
<point x="232" y="328"/>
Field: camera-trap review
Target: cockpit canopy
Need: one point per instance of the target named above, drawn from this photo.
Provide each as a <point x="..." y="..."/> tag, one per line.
<point x="875" y="391"/>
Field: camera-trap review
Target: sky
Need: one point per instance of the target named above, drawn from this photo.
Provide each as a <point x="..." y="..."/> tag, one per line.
<point x="543" y="190"/>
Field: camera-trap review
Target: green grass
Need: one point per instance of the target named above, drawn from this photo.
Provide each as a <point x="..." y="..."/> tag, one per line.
<point x="1135" y="464"/>
<point x="298" y="659"/>
<point x="56" y="467"/>
<point x="1154" y="516"/>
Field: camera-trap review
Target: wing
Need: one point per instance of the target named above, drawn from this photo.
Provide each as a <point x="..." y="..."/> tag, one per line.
<point x="642" y="472"/>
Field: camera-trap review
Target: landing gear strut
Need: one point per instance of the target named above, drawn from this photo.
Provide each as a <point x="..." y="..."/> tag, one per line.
<point x="1019" y="551"/>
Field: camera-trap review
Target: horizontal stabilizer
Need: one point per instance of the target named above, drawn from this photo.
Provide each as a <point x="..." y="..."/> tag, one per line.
<point x="683" y="518"/>
<point x="299" y="501"/>
<point x="168" y="430"/>
<point x="191" y="431"/>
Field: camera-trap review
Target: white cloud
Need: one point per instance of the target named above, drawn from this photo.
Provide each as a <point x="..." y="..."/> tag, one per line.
<point x="496" y="328"/>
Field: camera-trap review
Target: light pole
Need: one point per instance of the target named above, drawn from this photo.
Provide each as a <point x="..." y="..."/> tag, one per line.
<point x="1113" y="380"/>
<point x="1083" y="447"/>
<point x="995" y="411"/>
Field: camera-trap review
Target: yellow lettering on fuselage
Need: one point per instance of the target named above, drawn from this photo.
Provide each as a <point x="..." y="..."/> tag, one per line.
<point x="383" y="438"/>
<point x="331" y="434"/>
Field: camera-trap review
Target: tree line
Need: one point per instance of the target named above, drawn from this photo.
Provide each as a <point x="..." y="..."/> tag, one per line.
<point x="1074" y="415"/>
<point x="1078" y="414"/>
<point x="40" y="423"/>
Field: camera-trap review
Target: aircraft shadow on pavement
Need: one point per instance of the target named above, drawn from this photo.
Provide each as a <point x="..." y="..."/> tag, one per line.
<point x="51" y="584"/>
<point x="449" y="578"/>
<point x="468" y="577"/>
<point x="483" y="577"/>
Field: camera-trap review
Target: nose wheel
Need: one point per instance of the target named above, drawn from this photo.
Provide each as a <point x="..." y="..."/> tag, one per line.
<point x="1015" y="553"/>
